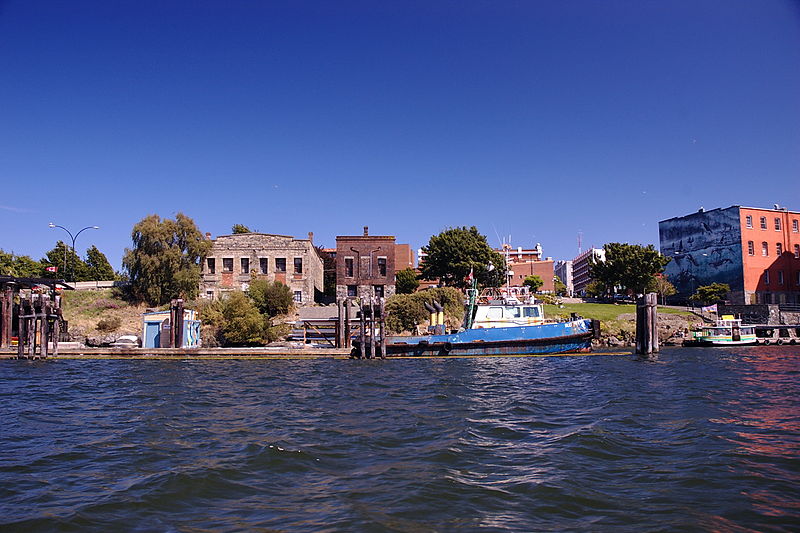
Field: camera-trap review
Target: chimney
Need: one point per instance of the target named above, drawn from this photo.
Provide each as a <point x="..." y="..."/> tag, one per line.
<point x="208" y="235"/>
<point x="311" y="236"/>
<point x="366" y="231"/>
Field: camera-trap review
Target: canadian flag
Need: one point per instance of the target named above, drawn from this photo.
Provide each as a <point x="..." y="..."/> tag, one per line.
<point x="52" y="269"/>
<point x="469" y="276"/>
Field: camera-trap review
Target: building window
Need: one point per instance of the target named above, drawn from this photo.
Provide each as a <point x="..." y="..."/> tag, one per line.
<point x="378" y="290"/>
<point x="348" y="267"/>
<point x="751" y="249"/>
<point x="795" y="226"/>
<point x="280" y="264"/>
<point x="382" y="266"/>
<point x="298" y="265"/>
<point x="763" y="222"/>
<point x="766" y="277"/>
<point x="209" y="295"/>
<point x="778" y="249"/>
<point x="777" y="224"/>
<point x="764" y="249"/>
<point x="212" y="265"/>
<point x="797" y="251"/>
<point x="749" y="221"/>
<point x="227" y="264"/>
<point x="298" y="296"/>
<point x="245" y="265"/>
<point x="352" y="290"/>
<point x="262" y="264"/>
<point x="780" y="277"/>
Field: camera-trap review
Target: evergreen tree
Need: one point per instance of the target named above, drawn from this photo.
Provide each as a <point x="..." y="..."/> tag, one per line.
<point x="406" y="281"/>
<point x="75" y="270"/>
<point x="240" y="228"/>
<point x="99" y="269"/>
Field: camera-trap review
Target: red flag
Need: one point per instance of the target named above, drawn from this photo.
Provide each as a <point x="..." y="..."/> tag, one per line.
<point x="469" y="276"/>
<point x="52" y="269"/>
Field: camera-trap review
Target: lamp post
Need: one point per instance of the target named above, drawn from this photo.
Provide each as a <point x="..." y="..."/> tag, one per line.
<point x="74" y="237"/>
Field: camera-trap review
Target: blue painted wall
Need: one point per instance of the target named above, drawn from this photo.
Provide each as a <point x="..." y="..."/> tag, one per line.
<point x="705" y="247"/>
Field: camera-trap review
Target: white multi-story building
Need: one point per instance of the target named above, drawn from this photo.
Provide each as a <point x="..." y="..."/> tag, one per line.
<point x="580" y="269"/>
<point x="563" y="271"/>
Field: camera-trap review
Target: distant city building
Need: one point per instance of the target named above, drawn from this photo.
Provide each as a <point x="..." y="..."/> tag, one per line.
<point x="755" y="251"/>
<point x="403" y="257"/>
<point x="563" y="271"/>
<point x="522" y="255"/>
<point x="581" y="276"/>
<point x="365" y="265"/>
<point x="522" y="269"/>
<point x="234" y="260"/>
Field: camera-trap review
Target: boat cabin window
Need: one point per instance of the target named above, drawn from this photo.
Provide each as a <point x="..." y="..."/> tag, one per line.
<point x="494" y="312"/>
<point x="531" y="311"/>
<point x="513" y="312"/>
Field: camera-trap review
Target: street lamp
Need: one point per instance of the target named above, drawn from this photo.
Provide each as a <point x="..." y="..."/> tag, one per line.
<point x="51" y="225"/>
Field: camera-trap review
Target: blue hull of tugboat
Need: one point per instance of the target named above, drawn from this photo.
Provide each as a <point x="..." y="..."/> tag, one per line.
<point x="545" y="339"/>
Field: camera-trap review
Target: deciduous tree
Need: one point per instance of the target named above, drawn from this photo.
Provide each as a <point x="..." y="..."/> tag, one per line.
<point x="628" y="266"/>
<point x="271" y="298"/>
<point x="240" y="228"/>
<point x="716" y="292"/>
<point x="533" y="282"/>
<point x="455" y="252"/>
<point x="164" y="262"/>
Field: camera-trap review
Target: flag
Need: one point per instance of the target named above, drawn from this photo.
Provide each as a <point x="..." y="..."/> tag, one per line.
<point x="52" y="269"/>
<point x="710" y="309"/>
<point x="468" y="279"/>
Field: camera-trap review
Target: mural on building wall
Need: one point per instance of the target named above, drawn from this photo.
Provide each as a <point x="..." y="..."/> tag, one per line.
<point x="705" y="248"/>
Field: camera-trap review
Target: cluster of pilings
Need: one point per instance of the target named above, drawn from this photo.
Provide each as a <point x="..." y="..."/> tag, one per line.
<point x="38" y="327"/>
<point x="172" y="330"/>
<point x="371" y="342"/>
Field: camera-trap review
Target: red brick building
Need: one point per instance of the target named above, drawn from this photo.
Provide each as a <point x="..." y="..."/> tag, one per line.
<point x="365" y="265"/>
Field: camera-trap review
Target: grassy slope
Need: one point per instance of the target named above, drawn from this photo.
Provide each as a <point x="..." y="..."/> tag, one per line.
<point x="618" y="320"/>
<point x="84" y="309"/>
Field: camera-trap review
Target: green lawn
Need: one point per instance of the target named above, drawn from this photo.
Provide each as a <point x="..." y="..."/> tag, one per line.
<point x="602" y="312"/>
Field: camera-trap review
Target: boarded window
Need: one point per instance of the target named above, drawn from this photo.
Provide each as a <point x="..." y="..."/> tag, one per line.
<point x="212" y="265"/>
<point x="280" y="264"/>
<point x="298" y="265"/>
<point x="245" y="265"/>
<point x="227" y="264"/>
<point x="262" y="264"/>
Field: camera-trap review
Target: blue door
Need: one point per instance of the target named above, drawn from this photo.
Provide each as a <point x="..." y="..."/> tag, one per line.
<point x="152" y="335"/>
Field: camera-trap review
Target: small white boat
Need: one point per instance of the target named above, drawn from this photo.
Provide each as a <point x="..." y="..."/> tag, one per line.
<point x="728" y="331"/>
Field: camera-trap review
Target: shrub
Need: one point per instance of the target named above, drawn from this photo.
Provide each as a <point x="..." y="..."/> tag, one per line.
<point x="406" y="311"/>
<point x="272" y="298"/>
<point x="107" y="324"/>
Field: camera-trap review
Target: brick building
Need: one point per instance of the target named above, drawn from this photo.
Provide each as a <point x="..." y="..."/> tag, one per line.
<point x="523" y="269"/>
<point x="755" y="251"/>
<point x="236" y="259"/>
<point x="365" y="265"/>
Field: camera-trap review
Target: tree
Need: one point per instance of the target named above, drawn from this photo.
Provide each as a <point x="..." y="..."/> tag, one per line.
<point x="20" y="266"/>
<point x="406" y="281"/>
<point x="271" y="298"/>
<point x="99" y="269"/>
<point x="596" y="289"/>
<point x="240" y="228"/>
<point x="533" y="282"/>
<point x="662" y="287"/>
<point x="716" y="292"/>
<point x="405" y="311"/>
<point x="628" y="266"/>
<point x="164" y="262"/>
<point x="76" y="269"/>
<point x="456" y="252"/>
<point x="559" y="287"/>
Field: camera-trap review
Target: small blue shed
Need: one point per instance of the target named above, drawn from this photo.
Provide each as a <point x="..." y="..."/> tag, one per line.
<point x="153" y="323"/>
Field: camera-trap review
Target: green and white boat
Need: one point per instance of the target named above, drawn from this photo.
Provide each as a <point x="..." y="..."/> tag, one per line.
<point x="728" y="331"/>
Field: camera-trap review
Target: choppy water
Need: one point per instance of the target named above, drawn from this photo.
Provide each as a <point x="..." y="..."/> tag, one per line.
<point x="704" y="439"/>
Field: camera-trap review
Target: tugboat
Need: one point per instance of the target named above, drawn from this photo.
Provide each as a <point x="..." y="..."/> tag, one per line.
<point x="728" y="331"/>
<point x="503" y="322"/>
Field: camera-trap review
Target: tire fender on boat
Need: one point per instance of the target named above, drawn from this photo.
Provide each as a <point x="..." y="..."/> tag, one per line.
<point x="766" y="341"/>
<point x="447" y="347"/>
<point x="779" y="341"/>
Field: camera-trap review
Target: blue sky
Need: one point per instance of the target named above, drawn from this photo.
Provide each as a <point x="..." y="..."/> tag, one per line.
<point x="537" y="120"/>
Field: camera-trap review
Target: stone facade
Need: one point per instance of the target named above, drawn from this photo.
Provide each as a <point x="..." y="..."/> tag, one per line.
<point x="234" y="260"/>
<point x="365" y="265"/>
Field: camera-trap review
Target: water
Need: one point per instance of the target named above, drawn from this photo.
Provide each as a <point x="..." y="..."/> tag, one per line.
<point x="704" y="439"/>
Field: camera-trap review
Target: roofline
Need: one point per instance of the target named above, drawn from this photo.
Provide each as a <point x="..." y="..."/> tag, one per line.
<point x="264" y="234"/>
<point x="773" y="210"/>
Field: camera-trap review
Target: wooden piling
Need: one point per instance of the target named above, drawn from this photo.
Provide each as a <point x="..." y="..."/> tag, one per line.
<point x="347" y="340"/>
<point x="647" y="325"/>
<point x="339" y="324"/>
<point x="22" y="334"/>
<point x="382" y="325"/>
<point x="362" y="348"/>
<point x="177" y="324"/>
<point x="45" y="334"/>
<point x="6" y="315"/>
